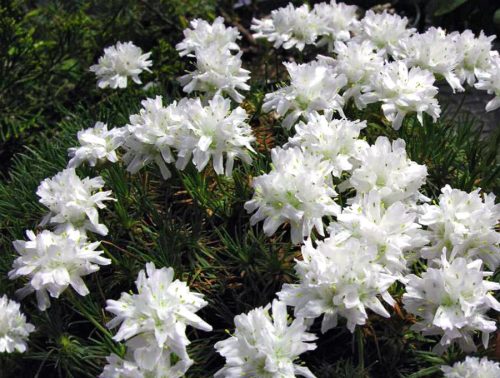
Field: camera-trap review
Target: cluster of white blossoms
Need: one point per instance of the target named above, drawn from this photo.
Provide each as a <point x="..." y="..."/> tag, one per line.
<point x="53" y="261"/>
<point x="265" y="346"/>
<point x="153" y="323"/>
<point x="97" y="144"/>
<point x="185" y="131"/>
<point x="392" y="229"/>
<point x="217" y="70"/>
<point x="298" y="190"/>
<point x="385" y="168"/>
<point x="14" y="330"/>
<point x="73" y="202"/>
<point x="463" y="224"/>
<point x="339" y="278"/>
<point x="383" y="60"/>
<point x="452" y="301"/>
<point x="472" y="367"/>
<point x="336" y="140"/>
<point x="313" y="87"/>
<point x="120" y="62"/>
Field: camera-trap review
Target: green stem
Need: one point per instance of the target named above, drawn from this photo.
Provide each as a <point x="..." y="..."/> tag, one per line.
<point x="361" y="348"/>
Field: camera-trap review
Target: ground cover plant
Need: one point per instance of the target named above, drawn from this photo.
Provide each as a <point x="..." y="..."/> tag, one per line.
<point x="312" y="211"/>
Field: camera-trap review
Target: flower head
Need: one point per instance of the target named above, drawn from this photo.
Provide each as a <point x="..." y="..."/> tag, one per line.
<point x="153" y="133"/>
<point x="393" y="230"/>
<point x="384" y="167"/>
<point x="338" y="279"/>
<point x="54" y="261"/>
<point x="74" y="201"/>
<point x="402" y="91"/>
<point x="14" y="330"/>
<point x="489" y="80"/>
<point x="217" y="72"/>
<point x="337" y="22"/>
<point x="358" y="62"/>
<point x="384" y="30"/>
<point x="162" y="308"/>
<point x="216" y="132"/>
<point x="452" y="301"/>
<point x="203" y="35"/>
<point x="265" y="346"/>
<point x="336" y="140"/>
<point x="97" y="144"/>
<point x="120" y="62"/>
<point x="298" y="190"/>
<point x="313" y="87"/>
<point x="289" y="27"/>
<point x="434" y="51"/>
<point x="477" y="54"/>
<point x="472" y="367"/>
<point x="464" y="224"/>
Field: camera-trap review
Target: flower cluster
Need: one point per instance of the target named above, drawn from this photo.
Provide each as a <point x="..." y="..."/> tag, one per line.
<point x="463" y="224"/>
<point x="97" y="144"/>
<point x="392" y="229"/>
<point x="53" y="261"/>
<point x="218" y="70"/>
<point x="336" y="140"/>
<point x="14" y="330"/>
<point x="265" y="346"/>
<point x="452" y="301"/>
<point x="120" y="62"/>
<point x="154" y="321"/>
<point x="385" y="168"/>
<point x="338" y="279"/>
<point x="73" y="202"/>
<point x="382" y="58"/>
<point x="472" y="367"/>
<point x="298" y="190"/>
<point x="192" y="131"/>
<point x="313" y="87"/>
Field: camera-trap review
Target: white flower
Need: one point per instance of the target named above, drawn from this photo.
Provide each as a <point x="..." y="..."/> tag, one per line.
<point x="337" y="21"/>
<point x="338" y="279"/>
<point x="472" y="367"/>
<point x="216" y="131"/>
<point x="289" y="27"/>
<point x="298" y="190"/>
<point x="120" y="62"/>
<point x="335" y="140"/>
<point x="384" y="167"/>
<point x="433" y="51"/>
<point x="313" y="87"/>
<point x="144" y="359"/>
<point x="476" y="54"/>
<point x="203" y="35"/>
<point x="266" y="347"/>
<point x="162" y="308"/>
<point x="54" y="261"/>
<point x="464" y="224"/>
<point x="384" y="30"/>
<point x="358" y="62"/>
<point x="97" y="144"/>
<point x="154" y="132"/>
<point x="452" y="301"/>
<point x="393" y="230"/>
<point x="402" y="91"/>
<point x="14" y="330"/>
<point x="217" y="72"/>
<point x="489" y="80"/>
<point x="74" y="201"/>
